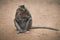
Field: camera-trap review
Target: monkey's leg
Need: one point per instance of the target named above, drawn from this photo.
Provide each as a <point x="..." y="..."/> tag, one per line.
<point x="17" y="26"/>
<point x="29" y="24"/>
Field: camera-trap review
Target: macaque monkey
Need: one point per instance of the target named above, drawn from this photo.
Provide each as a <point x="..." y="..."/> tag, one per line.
<point x="23" y="20"/>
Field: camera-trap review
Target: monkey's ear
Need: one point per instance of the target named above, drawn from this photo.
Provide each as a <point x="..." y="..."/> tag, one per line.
<point x="22" y="6"/>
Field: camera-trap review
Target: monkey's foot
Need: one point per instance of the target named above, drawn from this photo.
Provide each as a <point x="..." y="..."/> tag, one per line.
<point x="20" y="32"/>
<point x="27" y="32"/>
<point x="17" y="32"/>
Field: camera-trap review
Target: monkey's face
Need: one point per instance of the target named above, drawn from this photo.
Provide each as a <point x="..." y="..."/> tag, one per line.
<point x="21" y="13"/>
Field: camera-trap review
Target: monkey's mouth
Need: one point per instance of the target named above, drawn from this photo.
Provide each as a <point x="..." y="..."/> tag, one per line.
<point x="21" y="14"/>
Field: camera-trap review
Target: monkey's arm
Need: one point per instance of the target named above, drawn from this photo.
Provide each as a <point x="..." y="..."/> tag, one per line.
<point x="17" y="26"/>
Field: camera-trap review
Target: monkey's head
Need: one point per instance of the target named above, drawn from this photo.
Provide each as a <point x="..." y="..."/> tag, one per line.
<point x="22" y="6"/>
<point x="21" y="9"/>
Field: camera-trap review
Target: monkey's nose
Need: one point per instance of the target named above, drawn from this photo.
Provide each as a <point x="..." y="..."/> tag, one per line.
<point x="20" y="13"/>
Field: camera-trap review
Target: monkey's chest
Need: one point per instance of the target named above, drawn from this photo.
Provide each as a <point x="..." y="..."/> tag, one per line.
<point x="22" y="21"/>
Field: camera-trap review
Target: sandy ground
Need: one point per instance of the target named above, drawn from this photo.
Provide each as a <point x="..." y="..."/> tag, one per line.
<point x="44" y="13"/>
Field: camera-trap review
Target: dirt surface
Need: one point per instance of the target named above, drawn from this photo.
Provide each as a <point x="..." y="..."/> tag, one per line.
<point x="44" y="13"/>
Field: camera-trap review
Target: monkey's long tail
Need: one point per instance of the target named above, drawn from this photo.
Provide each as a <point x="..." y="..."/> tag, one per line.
<point x="39" y="27"/>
